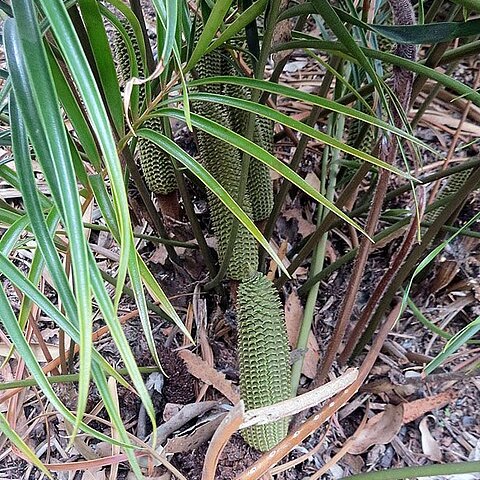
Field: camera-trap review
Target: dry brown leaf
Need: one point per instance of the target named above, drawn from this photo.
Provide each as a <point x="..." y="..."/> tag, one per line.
<point x="418" y="408"/>
<point x="281" y="252"/>
<point x="170" y="410"/>
<point x="160" y="255"/>
<point x="430" y="447"/>
<point x="449" y="124"/>
<point x="305" y="227"/>
<point x="94" y="474"/>
<point x="293" y="319"/>
<point x="313" y="180"/>
<point x="207" y="374"/>
<point x="37" y="351"/>
<point x="193" y="440"/>
<point x="379" y="430"/>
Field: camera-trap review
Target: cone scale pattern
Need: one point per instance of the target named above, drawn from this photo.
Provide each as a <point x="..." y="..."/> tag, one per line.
<point x="264" y="357"/>
<point x="224" y="162"/>
<point x="263" y="344"/>
<point x="157" y="168"/>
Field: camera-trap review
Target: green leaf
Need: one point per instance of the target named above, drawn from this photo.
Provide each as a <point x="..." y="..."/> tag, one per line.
<point x="75" y="58"/>
<point x="11" y="326"/>
<point x="409" y="34"/>
<point x="151" y="284"/>
<point x="206" y="178"/>
<point x="244" y="19"/>
<point x="215" y="20"/>
<point x="167" y="13"/>
<point x="325" y="103"/>
<point x="457" y="341"/>
<point x="416" y="67"/>
<point x="46" y="102"/>
<point x="103" y="58"/>
<point x="429" y="33"/>
<point x="331" y="18"/>
<point x="259" y="153"/>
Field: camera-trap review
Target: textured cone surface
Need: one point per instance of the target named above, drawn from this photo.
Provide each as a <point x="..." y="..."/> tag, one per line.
<point x="453" y="185"/>
<point x="264" y="357"/>
<point x="122" y="59"/>
<point x="158" y="170"/>
<point x="260" y="187"/>
<point x="224" y="162"/>
<point x="366" y="142"/>
<point x="210" y="65"/>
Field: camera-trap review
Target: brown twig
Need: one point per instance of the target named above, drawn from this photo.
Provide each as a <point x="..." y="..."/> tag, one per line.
<point x="357" y="274"/>
<point x="402" y="87"/>
<point x="385" y="281"/>
<point x="238" y="418"/>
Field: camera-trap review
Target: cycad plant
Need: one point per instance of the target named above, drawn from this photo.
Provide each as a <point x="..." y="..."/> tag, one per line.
<point x="90" y="106"/>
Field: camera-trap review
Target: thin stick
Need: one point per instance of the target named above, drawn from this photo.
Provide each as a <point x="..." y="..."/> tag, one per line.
<point x="385" y="281"/>
<point x="238" y="419"/>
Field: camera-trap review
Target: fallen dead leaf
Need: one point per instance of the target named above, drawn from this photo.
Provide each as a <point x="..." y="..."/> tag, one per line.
<point x="159" y="255"/>
<point x="170" y="410"/>
<point x="94" y="474"/>
<point x="313" y="180"/>
<point x="207" y="374"/>
<point x="193" y="440"/>
<point x="293" y="319"/>
<point x="305" y="227"/>
<point x="37" y="351"/>
<point x="379" y="430"/>
<point x="430" y="447"/>
<point x="418" y="408"/>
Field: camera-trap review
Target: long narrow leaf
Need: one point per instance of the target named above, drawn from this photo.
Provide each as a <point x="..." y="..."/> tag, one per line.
<point x="290" y="92"/>
<point x="44" y="95"/>
<point x="208" y="32"/>
<point x="75" y="58"/>
<point x="11" y="326"/>
<point x="206" y="178"/>
<point x="245" y="18"/>
<point x="259" y="153"/>
<point x="416" y="67"/>
<point x="103" y="59"/>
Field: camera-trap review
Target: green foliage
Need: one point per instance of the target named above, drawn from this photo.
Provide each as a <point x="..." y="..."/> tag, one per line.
<point x="63" y="117"/>
<point x="157" y="168"/>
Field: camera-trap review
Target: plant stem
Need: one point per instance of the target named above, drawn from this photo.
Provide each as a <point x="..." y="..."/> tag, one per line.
<point x="336" y="127"/>
<point x="422" y="471"/>
<point x="298" y="155"/>
<point x="189" y="209"/>
<point x="155" y="216"/>
<point x="458" y="199"/>
<point x="73" y="377"/>
<point x="150" y="238"/>
<point x="326" y="223"/>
